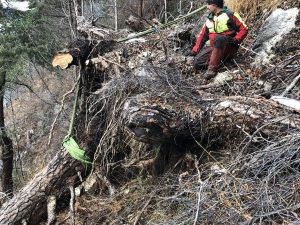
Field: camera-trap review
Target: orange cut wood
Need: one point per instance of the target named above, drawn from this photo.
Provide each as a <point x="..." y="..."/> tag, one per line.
<point x="62" y="60"/>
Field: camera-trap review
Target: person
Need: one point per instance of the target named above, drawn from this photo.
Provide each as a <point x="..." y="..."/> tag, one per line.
<point x="225" y="30"/>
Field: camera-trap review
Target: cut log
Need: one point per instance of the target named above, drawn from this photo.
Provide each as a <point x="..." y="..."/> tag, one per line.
<point x="79" y="51"/>
<point x="63" y="60"/>
<point x="30" y="203"/>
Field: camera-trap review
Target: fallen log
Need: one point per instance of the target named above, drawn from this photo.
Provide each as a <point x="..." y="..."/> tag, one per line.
<point x="30" y="203"/>
<point x="224" y="117"/>
<point x="159" y="109"/>
<point x="169" y="108"/>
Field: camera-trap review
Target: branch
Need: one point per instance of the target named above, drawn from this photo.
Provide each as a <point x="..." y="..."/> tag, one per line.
<point x="292" y="85"/>
<point x="61" y="109"/>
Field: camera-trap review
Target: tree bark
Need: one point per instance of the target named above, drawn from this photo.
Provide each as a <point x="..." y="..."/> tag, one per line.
<point x="7" y="158"/>
<point x="72" y="20"/>
<point x="30" y="203"/>
<point x="226" y="116"/>
<point x="166" y="13"/>
<point x="141" y="8"/>
<point x="6" y="144"/>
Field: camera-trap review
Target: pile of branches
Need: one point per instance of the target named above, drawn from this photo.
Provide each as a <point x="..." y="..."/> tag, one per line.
<point x="252" y="187"/>
<point x="251" y="178"/>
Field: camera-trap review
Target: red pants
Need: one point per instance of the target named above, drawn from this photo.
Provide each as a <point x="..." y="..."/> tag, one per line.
<point x="212" y="57"/>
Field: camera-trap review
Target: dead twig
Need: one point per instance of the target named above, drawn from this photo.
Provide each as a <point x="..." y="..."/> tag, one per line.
<point x="141" y="212"/>
<point x="199" y="192"/>
<point x="292" y="85"/>
<point x="61" y="109"/>
<point x="72" y="202"/>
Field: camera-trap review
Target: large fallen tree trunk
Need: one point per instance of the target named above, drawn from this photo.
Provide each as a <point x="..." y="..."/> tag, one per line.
<point x="30" y="203"/>
<point x="156" y="111"/>
<point x="171" y="113"/>
<point x="160" y="122"/>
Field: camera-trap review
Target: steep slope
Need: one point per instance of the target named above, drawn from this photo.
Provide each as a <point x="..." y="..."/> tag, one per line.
<point x="220" y="167"/>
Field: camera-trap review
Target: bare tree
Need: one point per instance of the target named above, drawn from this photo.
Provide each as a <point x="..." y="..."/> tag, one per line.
<point x="180" y="7"/>
<point x="166" y="14"/>
<point x="5" y="144"/>
<point x="116" y="14"/>
<point x="141" y="7"/>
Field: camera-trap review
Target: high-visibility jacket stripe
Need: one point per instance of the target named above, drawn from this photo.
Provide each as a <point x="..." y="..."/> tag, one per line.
<point x="218" y="24"/>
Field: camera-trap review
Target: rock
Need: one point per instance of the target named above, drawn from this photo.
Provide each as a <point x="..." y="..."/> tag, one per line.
<point x="223" y="77"/>
<point x="267" y="86"/>
<point x="91" y="184"/>
<point x="279" y="23"/>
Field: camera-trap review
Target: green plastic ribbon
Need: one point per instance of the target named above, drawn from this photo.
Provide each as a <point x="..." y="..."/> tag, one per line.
<point x="75" y="151"/>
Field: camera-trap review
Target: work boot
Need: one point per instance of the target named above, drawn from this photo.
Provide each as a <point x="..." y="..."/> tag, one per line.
<point x="209" y="74"/>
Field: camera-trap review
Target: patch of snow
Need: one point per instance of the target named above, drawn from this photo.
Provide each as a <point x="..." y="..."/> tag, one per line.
<point x="267" y="86"/>
<point x="20" y="6"/>
<point x="142" y="40"/>
<point x="295" y="104"/>
<point x="225" y="104"/>
<point x="279" y="23"/>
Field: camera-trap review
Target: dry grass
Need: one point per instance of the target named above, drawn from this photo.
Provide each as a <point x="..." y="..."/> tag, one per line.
<point x="250" y="8"/>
